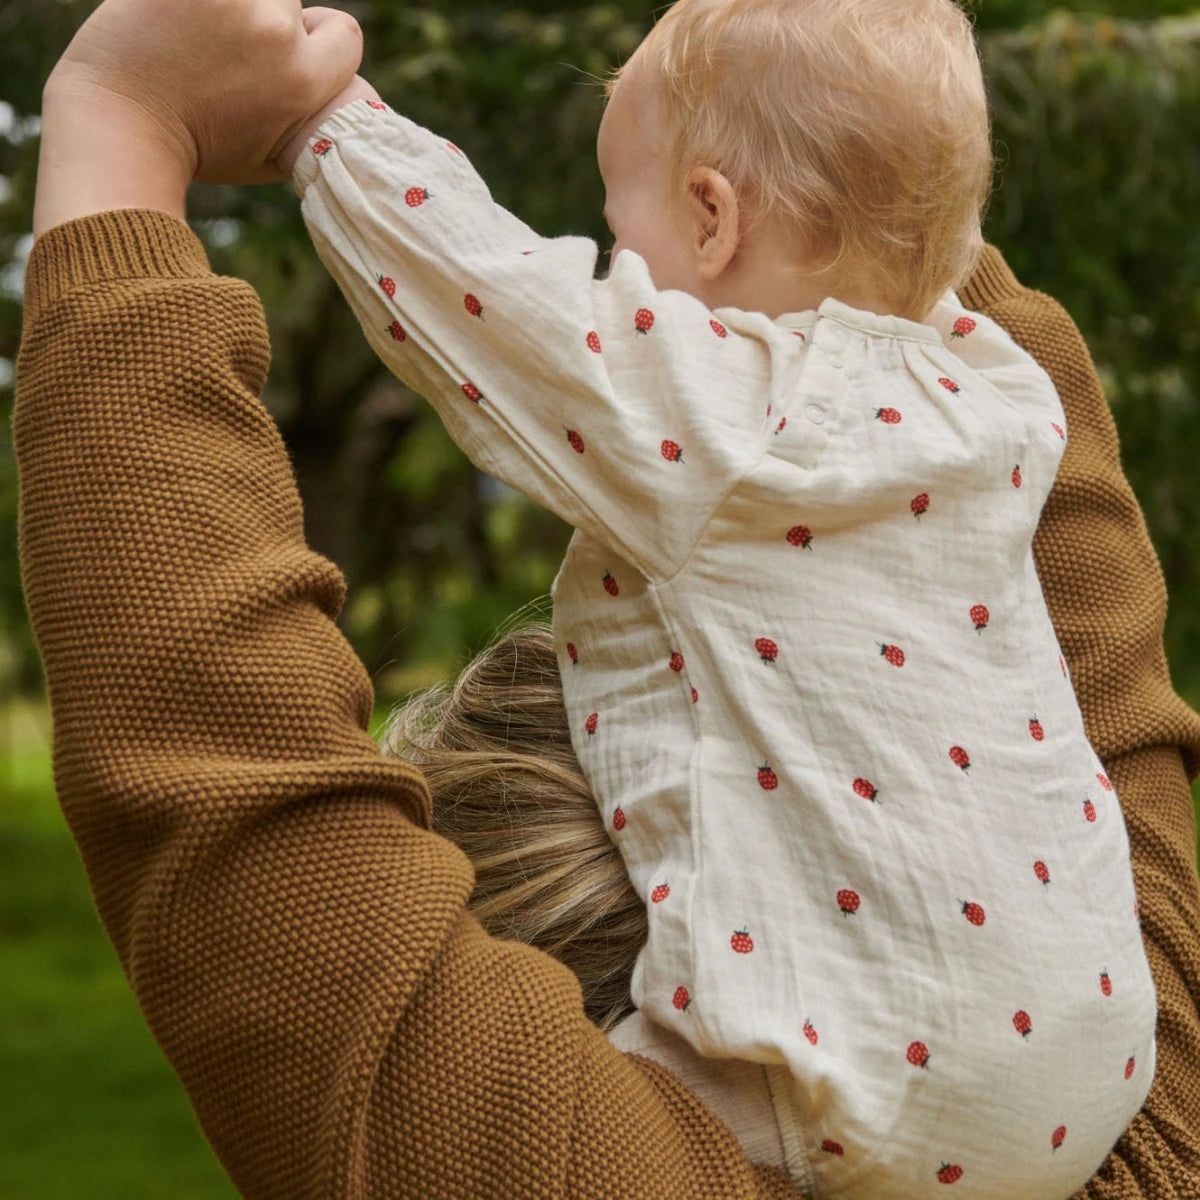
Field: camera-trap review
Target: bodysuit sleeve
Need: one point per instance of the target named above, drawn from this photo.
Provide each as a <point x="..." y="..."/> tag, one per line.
<point x="592" y="396"/>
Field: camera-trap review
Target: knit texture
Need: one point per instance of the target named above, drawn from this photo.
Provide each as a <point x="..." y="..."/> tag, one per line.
<point x="294" y="933"/>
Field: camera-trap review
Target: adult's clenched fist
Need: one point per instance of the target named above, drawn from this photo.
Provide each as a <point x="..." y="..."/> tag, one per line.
<point x="225" y="84"/>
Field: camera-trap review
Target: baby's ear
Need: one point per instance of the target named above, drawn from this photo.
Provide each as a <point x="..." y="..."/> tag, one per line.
<point x="714" y="218"/>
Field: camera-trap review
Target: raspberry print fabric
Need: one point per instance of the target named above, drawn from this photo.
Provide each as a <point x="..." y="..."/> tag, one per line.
<point x="809" y="672"/>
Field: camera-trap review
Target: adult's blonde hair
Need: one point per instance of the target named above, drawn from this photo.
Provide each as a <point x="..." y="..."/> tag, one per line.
<point x="863" y="124"/>
<point x="507" y="790"/>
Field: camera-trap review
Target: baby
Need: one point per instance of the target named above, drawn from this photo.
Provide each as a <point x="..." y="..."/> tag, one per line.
<point x="808" y="666"/>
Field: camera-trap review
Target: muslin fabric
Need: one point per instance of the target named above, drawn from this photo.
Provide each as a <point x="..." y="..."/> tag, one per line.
<point x="809" y="672"/>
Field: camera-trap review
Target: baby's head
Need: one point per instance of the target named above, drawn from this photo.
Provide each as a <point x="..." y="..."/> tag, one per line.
<point x="770" y="153"/>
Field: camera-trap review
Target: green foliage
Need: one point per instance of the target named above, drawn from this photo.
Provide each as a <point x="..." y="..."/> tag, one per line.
<point x="1100" y="188"/>
<point x="1100" y="174"/>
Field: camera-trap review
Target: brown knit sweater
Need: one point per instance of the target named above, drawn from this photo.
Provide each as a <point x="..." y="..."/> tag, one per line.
<point x="294" y="932"/>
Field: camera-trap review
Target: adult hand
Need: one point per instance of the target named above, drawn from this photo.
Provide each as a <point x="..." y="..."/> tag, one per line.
<point x="220" y="85"/>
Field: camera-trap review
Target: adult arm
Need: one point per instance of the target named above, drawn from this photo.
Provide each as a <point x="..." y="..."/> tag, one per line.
<point x="295" y="934"/>
<point x="1106" y="596"/>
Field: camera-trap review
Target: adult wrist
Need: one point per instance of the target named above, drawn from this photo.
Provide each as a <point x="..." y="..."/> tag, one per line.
<point x="101" y="151"/>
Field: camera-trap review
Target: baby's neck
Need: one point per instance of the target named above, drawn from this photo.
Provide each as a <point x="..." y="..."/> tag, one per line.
<point x="809" y="297"/>
<point x="765" y="278"/>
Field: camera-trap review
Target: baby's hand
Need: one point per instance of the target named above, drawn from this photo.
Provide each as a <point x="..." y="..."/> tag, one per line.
<point x="357" y="89"/>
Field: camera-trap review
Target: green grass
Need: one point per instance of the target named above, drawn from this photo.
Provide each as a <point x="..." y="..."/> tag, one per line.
<point x="88" y="1105"/>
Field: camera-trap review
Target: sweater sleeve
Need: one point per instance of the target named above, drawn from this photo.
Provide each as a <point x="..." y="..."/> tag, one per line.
<point x="1105" y="592"/>
<point x="293" y="931"/>
<point x="594" y="397"/>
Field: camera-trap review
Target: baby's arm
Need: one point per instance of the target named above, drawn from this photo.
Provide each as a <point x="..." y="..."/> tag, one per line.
<point x="627" y="411"/>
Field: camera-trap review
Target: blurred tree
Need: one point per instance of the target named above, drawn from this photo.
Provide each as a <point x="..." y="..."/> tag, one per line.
<point x="1097" y="199"/>
<point x="1100" y="186"/>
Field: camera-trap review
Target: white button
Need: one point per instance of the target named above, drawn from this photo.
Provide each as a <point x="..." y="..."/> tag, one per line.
<point x="816" y="414"/>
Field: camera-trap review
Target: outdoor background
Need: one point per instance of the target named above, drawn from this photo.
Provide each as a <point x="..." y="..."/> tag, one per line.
<point x="1099" y="188"/>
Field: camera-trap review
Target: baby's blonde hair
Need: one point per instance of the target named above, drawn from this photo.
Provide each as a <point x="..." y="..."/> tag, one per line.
<point x="507" y="790"/>
<point x="863" y="124"/>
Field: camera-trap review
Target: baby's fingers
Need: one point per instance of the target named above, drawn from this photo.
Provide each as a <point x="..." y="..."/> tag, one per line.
<point x="331" y="52"/>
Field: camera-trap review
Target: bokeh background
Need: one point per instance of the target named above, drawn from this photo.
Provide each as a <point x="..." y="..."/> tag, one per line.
<point x="1098" y="202"/>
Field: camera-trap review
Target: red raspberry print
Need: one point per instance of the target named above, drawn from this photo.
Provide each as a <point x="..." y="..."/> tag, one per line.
<point x="455" y="149"/>
<point x="1105" y="983"/>
<point x="1089" y="811"/>
<point x="321" y="148"/>
<point x="718" y="329"/>
<point x="660" y="893"/>
<point x="1016" y="476"/>
<point x="832" y="1147"/>
<point x="962" y="327"/>
<point x="695" y="696"/>
<point x="643" y="320"/>
<point x="681" y="999"/>
<point x="671" y="451"/>
<point x="767" y="779"/>
<point x="767" y="650"/>
<point x="800" y="535"/>
<point x="676" y="663"/>
<point x="1130" y="1066"/>
<point x="619" y="819"/>
<point x="576" y="440"/>
<point x="973" y="912"/>
<point x="610" y="584"/>
<point x="950" y="386"/>
<point x="1104" y="780"/>
<point x="800" y="334"/>
<point x="960" y="758"/>
<point x="591" y="723"/>
<point x="889" y="416"/>
<point x="398" y="332"/>
<point x="1041" y="871"/>
<point x="472" y="392"/>
<point x="866" y="789"/>
<point x="388" y="286"/>
<point x="1062" y="665"/>
<point x="949" y="1173"/>
<point x="473" y="306"/>
<point x="848" y="901"/>
<point x="741" y="942"/>
<point x="416" y="196"/>
<point x="918" y="1054"/>
<point x="1021" y="1023"/>
<point x="377" y="104"/>
<point x="781" y="426"/>
<point x="980" y="617"/>
<point x="1035" y="730"/>
<point x="809" y="1032"/>
<point x="1062" y="433"/>
<point x="893" y="654"/>
<point x="1058" y="1137"/>
<point x="920" y="505"/>
<point x="573" y="654"/>
<point x="593" y="342"/>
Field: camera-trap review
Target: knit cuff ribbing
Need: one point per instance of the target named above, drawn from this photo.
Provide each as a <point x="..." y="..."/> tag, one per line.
<point x="991" y="282"/>
<point x="125" y="243"/>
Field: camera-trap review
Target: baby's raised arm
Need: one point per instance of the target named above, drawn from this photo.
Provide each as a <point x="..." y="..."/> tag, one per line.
<point x="628" y="411"/>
